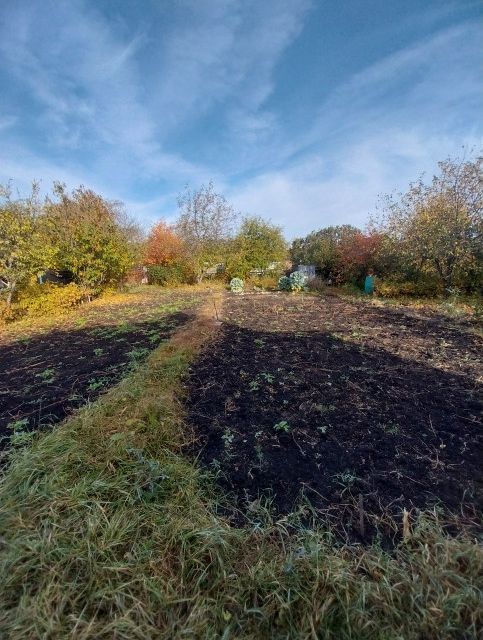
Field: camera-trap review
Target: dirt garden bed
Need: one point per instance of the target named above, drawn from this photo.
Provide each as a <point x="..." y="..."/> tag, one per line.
<point x="364" y="410"/>
<point x="46" y="371"/>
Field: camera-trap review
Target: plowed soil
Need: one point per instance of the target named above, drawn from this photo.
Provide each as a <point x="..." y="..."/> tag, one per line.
<point x="47" y="371"/>
<point x="361" y="409"/>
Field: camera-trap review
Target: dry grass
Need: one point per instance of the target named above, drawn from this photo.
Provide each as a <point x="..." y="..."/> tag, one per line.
<point x="108" y="531"/>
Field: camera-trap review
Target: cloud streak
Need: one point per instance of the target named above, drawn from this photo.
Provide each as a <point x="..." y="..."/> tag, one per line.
<point x="137" y="103"/>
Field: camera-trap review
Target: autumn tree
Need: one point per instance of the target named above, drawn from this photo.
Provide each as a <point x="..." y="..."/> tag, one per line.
<point x="89" y="236"/>
<point x="257" y="244"/>
<point x="163" y="246"/>
<point x="320" y="248"/>
<point x="20" y="247"/>
<point x="437" y="227"/>
<point x="356" y="254"/>
<point x="205" y="225"/>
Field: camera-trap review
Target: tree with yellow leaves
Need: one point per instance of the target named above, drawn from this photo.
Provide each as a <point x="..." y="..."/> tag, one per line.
<point x="438" y="227"/>
<point x="20" y="245"/>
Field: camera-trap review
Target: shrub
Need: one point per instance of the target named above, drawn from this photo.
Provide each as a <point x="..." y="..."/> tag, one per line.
<point x="395" y="289"/>
<point x="351" y="289"/>
<point x="316" y="284"/>
<point x="265" y="281"/>
<point x="169" y="275"/>
<point x="284" y="283"/>
<point x="47" y="299"/>
<point x="236" y="285"/>
<point x="8" y="312"/>
<point x="298" y="281"/>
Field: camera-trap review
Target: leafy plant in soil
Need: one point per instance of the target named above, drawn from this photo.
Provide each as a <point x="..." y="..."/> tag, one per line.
<point x="283" y="426"/>
<point x="296" y="281"/>
<point x="237" y="285"/>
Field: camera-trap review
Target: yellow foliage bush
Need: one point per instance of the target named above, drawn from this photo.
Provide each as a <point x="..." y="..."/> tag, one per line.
<point x="266" y="281"/>
<point x="394" y="289"/>
<point x="8" y="313"/>
<point x="51" y="299"/>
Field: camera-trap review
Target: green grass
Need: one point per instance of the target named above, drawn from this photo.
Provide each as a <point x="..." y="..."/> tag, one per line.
<point x="109" y="531"/>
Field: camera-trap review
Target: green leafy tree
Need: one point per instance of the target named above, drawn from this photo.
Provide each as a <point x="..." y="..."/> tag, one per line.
<point x="20" y="246"/>
<point x="257" y="245"/>
<point x="89" y="236"/>
<point x="320" y="248"/>
<point x="437" y="227"/>
<point x="205" y="226"/>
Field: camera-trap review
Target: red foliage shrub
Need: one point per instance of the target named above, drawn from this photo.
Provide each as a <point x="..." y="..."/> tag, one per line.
<point x="356" y="255"/>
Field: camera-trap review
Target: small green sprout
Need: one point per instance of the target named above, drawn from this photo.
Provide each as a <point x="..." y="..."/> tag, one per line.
<point x="283" y="425"/>
<point x="390" y="427"/>
<point x="47" y="375"/>
<point x="228" y="437"/>
<point x="96" y="383"/>
<point x="268" y="377"/>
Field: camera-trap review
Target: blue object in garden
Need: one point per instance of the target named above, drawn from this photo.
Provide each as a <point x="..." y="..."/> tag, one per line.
<point x="369" y="284"/>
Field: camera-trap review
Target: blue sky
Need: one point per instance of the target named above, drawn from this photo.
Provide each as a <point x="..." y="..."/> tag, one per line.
<point x="300" y="111"/>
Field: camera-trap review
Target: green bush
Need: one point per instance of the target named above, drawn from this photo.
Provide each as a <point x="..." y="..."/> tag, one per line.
<point x="284" y="283"/>
<point x="168" y="276"/>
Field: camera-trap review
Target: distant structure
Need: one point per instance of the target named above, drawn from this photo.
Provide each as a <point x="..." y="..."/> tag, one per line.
<point x="57" y="277"/>
<point x="137" y="275"/>
<point x="213" y="271"/>
<point x="273" y="266"/>
<point x="307" y="269"/>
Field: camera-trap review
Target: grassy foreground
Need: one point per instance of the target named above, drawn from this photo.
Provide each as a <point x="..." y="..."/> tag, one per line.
<point x="107" y="531"/>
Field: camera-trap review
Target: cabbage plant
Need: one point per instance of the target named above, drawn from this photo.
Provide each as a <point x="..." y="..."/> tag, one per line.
<point x="236" y="285"/>
<point x="296" y="281"/>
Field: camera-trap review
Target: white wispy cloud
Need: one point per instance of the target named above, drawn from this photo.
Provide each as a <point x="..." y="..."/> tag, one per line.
<point x="345" y="187"/>
<point x="225" y="51"/>
<point x="110" y="99"/>
<point x="96" y="97"/>
<point x="359" y="148"/>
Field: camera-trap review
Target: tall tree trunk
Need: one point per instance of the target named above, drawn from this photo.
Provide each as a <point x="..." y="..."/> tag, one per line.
<point x="11" y="289"/>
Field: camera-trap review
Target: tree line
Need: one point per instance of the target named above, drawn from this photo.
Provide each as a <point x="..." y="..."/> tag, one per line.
<point x="427" y="240"/>
<point x="209" y="232"/>
<point x="94" y="242"/>
<point x="78" y="232"/>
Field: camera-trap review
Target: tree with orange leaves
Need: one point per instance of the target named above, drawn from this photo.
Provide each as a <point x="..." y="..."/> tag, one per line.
<point x="163" y="246"/>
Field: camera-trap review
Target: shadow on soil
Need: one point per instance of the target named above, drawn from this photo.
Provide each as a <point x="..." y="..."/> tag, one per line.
<point x="357" y="430"/>
<point x="43" y="379"/>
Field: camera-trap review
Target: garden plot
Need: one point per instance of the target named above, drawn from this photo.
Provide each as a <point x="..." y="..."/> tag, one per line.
<point x="361" y="409"/>
<point x="46" y="371"/>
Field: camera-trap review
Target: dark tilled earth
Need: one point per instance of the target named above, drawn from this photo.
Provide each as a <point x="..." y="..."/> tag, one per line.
<point x="48" y="372"/>
<point x="345" y="402"/>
